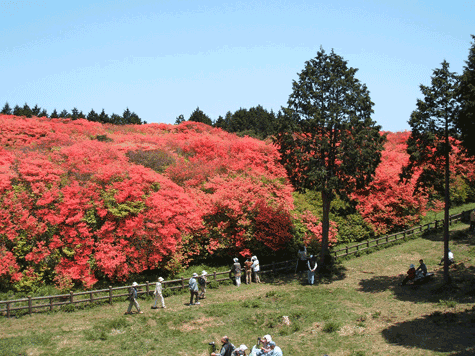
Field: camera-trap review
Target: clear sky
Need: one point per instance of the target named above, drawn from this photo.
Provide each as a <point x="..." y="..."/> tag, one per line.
<point x="165" y="58"/>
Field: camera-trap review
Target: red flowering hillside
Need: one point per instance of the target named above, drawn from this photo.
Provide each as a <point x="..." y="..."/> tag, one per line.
<point x="82" y="200"/>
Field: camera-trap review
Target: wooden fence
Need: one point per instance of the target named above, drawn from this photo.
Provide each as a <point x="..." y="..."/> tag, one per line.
<point x="45" y="303"/>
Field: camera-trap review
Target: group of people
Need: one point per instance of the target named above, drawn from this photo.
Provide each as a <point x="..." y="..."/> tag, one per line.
<point x="412" y="273"/>
<point x="197" y="287"/>
<point x="264" y="347"/>
<point x="251" y="270"/>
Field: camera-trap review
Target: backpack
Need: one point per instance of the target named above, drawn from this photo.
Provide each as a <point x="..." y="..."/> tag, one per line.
<point x="201" y="281"/>
<point x="131" y="293"/>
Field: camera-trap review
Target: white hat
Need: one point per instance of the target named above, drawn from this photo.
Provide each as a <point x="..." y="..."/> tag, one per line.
<point x="267" y="337"/>
<point x="160" y="279"/>
<point x="135" y="284"/>
<point x="235" y="259"/>
<point x="242" y="347"/>
<point x="195" y="274"/>
<point x="254" y="258"/>
<point x="204" y="273"/>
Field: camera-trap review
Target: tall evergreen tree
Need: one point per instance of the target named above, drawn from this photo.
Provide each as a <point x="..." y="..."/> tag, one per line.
<point x="466" y="98"/>
<point x="7" y="110"/>
<point x="199" y="116"/>
<point x="329" y="143"/>
<point x="432" y="124"/>
<point x="43" y="113"/>
<point x="75" y="114"/>
<point x="103" y="117"/>
<point x="54" y="114"/>
<point x="36" y="110"/>
<point x="26" y="111"/>
<point x="92" y="116"/>
<point x="64" y="114"/>
<point x="17" y="111"/>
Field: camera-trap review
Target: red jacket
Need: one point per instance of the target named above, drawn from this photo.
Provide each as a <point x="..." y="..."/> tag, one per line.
<point x="411" y="273"/>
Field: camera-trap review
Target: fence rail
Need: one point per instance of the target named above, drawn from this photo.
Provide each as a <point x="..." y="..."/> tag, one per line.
<point x="147" y="288"/>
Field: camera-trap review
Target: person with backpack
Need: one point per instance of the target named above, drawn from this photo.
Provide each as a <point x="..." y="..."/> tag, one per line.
<point x="248" y="269"/>
<point x="158" y="293"/>
<point x="255" y="269"/>
<point x="193" y="286"/>
<point x="202" y="285"/>
<point x="133" y="299"/>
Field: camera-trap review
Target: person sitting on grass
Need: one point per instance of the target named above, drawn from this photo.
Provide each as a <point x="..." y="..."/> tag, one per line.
<point x="133" y="299"/>
<point x="411" y="274"/>
<point x="274" y="350"/>
<point x="421" y="271"/>
<point x="260" y="350"/>
<point x="240" y="351"/>
<point x="226" y="349"/>
<point x="451" y="259"/>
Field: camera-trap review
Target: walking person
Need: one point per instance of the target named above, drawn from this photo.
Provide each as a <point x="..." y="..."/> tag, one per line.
<point x="255" y="269"/>
<point x="248" y="269"/>
<point x="158" y="293"/>
<point x="312" y="266"/>
<point x="202" y="285"/>
<point x="133" y="299"/>
<point x="472" y="221"/>
<point x="193" y="286"/>
<point x="236" y="270"/>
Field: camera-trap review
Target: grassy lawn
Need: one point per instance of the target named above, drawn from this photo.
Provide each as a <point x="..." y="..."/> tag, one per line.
<point x="359" y="311"/>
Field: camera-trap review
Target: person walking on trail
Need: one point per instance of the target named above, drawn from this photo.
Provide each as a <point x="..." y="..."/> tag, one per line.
<point x="312" y="267"/>
<point x="411" y="274"/>
<point x="255" y="269"/>
<point x="158" y="293"/>
<point x="248" y="269"/>
<point x="202" y="285"/>
<point x="227" y="348"/>
<point x="236" y="271"/>
<point x="133" y="299"/>
<point x="193" y="286"/>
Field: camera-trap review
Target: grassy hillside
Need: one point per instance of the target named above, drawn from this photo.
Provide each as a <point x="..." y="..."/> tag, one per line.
<point x="361" y="311"/>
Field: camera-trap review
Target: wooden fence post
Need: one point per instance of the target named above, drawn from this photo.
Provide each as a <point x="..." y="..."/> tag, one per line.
<point x="147" y="287"/>
<point x="29" y="305"/>
<point x="91" y="297"/>
<point x="273" y="267"/>
<point x="214" y="273"/>
<point x="50" y="304"/>
<point x="110" y="295"/>
<point x="8" y="309"/>
<point x="182" y="283"/>
<point x="71" y="296"/>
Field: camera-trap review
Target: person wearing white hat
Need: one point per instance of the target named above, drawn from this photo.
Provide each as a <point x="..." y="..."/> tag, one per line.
<point x="202" y="285"/>
<point x="193" y="286"/>
<point x="236" y="270"/>
<point x="240" y="351"/>
<point x="262" y="347"/>
<point x="158" y="293"/>
<point x="312" y="266"/>
<point x="133" y="299"/>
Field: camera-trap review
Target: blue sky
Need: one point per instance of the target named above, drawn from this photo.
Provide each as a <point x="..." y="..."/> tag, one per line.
<point x="165" y="58"/>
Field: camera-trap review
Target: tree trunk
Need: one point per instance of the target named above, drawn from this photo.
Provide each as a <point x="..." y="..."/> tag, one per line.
<point x="446" y="209"/>
<point x="326" y="201"/>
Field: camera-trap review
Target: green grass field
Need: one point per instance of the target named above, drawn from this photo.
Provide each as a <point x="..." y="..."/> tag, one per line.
<point x="361" y="310"/>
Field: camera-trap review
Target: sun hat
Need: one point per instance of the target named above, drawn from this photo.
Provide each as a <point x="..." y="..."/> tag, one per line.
<point x="135" y="284"/>
<point x="160" y="279"/>
<point x="195" y="274"/>
<point x="267" y="337"/>
<point x="242" y="347"/>
<point x="272" y="343"/>
<point x="204" y="273"/>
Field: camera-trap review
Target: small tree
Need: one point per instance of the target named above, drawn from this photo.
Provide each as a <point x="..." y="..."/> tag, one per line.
<point x="7" y="110"/>
<point x="328" y="142"/>
<point x="432" y="125"/>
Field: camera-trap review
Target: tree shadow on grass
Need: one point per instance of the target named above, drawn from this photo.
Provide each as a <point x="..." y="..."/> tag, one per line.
<point x="440" y="332"/>
<point x="335" y="273"/>
<point x="461" y="290"/>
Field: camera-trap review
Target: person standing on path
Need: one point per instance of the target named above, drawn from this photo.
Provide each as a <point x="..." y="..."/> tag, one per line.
<point x="312" y="266"/>
<point x="248" y="269"/>
<point x="202" y="285"/>
<point x="133" y="299"/>
<point x="255" y="269"/>
<point x="158" y="293"/>
<point x="236" y="270"/>
<point x="193" y="286"/>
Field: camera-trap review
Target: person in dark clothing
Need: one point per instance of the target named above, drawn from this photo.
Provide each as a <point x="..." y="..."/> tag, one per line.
<point x="422" y="268"/>
<point x="226" y="349"/>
